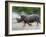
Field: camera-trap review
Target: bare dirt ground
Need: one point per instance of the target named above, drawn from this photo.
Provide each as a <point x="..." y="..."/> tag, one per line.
<point x="19" y="26"/>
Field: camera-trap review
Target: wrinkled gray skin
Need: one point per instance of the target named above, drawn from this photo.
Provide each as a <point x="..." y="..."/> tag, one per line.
<point x="29" y="19"/>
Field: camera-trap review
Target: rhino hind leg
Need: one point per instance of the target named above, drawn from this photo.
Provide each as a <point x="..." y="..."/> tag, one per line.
<point x="38" y="23"/>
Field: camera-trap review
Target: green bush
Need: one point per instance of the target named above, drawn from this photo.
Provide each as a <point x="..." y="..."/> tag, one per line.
<point x="27" y="10"/>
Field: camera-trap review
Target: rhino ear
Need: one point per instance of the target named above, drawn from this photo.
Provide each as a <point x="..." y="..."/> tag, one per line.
<point x="21" y="15"/>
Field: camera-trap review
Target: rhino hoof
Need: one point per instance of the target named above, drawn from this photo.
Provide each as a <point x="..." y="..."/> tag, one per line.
<point x="30" y="24"/>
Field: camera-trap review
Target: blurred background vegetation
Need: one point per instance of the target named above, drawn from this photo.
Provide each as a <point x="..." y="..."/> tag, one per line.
<point x="26" y="10"/>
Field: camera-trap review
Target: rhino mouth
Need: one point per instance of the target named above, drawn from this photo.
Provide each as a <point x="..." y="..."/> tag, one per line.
<point x="18" y="20"/>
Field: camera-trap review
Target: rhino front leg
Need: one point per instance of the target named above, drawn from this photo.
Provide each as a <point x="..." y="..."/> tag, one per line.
<point x="29" y="24"/>
<point x="24" y="24"/>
